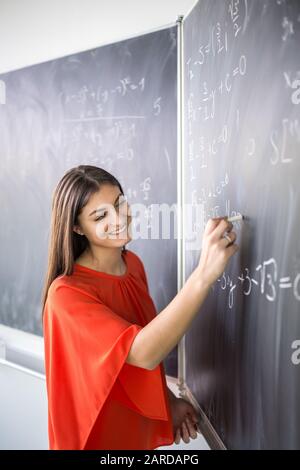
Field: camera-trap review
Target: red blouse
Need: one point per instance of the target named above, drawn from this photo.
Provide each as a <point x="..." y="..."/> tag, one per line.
<point x="95" y="399"/>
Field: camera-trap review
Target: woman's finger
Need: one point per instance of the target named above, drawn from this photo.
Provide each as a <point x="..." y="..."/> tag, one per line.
<point x="177" y="436"/>
<point x="222" y="227"/>
<point x="211" y="225"/>
<point x="191" y="429"/>
<point x="185" y="433"/>
<point x="193" y="418"/>
<point x="226" y="242"/>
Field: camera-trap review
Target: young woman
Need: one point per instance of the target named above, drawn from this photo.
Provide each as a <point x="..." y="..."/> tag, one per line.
<point x="104" y="342"/>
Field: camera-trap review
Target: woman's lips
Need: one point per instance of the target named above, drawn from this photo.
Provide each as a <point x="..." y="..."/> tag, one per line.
<point x="118" y="231"/>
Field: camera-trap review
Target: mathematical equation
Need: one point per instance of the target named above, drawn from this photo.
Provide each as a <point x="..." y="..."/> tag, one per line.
<point x="92" y="101"/>
<point x="208" y="96"/>
<point x="284" y="141"/>
<point x="288" y="28"/>
<point x="239" y="16"/>
<point x="205" y="149"/>
<point x="145" y="188"/>
<point x="212" y="191"/>
<point x="101" y="95"/>
<point x="118" y="130"/>
<point x="218" y="42"/>
<point x="268" y="282"/>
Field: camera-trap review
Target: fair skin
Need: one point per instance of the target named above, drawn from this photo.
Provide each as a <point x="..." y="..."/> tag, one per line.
<point x="104" y="254"/>
<point x="155" y="341"/>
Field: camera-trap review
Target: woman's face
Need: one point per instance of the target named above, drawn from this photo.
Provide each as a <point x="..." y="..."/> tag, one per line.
<point x="105" y="219"/>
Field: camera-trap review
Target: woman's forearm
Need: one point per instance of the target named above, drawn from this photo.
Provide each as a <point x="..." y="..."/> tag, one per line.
<point x="154" y="342"/>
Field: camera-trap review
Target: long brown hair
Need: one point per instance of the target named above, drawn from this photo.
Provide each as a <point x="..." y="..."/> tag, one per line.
<point x="71" y="194"/>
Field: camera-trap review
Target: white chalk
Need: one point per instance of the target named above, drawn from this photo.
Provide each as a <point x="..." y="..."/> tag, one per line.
<point x="235" y="218"/>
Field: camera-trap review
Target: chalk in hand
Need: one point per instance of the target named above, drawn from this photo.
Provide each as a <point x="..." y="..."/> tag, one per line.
<point x="235" y="218"/>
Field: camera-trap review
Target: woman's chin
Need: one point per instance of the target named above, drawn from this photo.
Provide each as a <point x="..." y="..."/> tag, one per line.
<point x="118" y="240"/>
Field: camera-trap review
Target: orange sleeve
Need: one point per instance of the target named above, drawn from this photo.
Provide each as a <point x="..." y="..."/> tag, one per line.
<point x="86" y="346"/>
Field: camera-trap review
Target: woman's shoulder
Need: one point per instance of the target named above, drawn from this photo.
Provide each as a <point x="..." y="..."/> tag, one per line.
<point x="61" y="280"/>
<point x="68" y="283"/>
<point x="65" y="295"/>
<point x="55" y="291"/>
<point x="57" y="282"/>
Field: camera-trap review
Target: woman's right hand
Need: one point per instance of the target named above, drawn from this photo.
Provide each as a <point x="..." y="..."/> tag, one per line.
<point x="215" y="252"/>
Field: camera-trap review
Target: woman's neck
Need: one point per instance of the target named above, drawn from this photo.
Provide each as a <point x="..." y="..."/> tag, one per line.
<point x="107" y="260"/>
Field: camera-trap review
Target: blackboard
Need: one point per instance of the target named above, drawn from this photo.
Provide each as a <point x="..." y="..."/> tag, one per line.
<point x="114" y="107"/>
<point x="242" y="156"/>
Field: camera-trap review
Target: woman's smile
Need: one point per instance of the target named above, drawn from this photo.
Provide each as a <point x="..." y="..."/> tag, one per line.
<point x="118" y="231"/>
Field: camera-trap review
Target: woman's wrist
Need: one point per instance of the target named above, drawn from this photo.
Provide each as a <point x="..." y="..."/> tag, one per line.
<point x="199" y="279"/>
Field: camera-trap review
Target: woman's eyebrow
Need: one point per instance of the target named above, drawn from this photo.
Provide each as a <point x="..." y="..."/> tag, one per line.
<point x="102" y="208"/>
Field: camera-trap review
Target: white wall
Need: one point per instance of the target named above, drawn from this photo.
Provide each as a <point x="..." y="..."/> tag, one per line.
<point x="33" y="31"/>
<point x="23" y="408"/>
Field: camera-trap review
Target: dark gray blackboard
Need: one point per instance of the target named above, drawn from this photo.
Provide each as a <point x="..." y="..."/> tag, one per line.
<point x="242" y="155"/>
<point x="115" y="107"/>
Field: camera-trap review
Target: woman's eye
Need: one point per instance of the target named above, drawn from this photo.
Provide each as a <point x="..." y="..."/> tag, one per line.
<point x="120" y="202"/>
<point x="101" y="217"/>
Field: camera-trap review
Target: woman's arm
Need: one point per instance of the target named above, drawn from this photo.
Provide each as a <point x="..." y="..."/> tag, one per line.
<point x="154" y="341"/>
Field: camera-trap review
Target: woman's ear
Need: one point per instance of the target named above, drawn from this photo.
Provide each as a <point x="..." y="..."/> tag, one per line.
<point x="77" y="229"/>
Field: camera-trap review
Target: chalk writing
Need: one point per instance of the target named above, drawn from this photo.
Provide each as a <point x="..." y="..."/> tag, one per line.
<point x="265" y="278"/>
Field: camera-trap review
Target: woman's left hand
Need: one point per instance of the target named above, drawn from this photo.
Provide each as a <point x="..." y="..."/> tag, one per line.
<point x="184" y="420"/>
